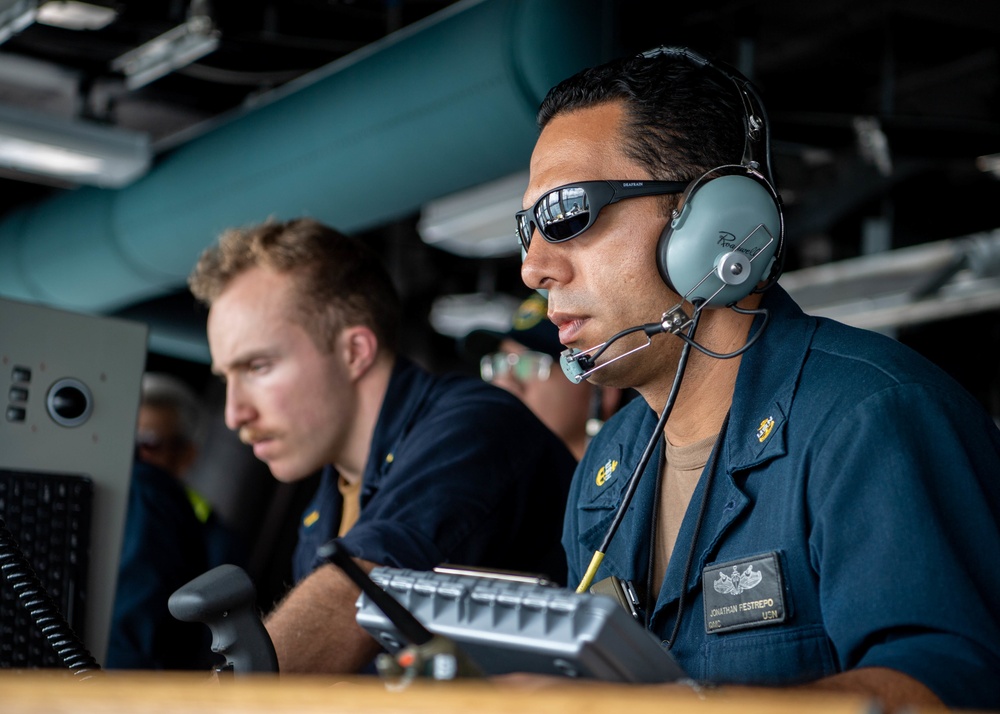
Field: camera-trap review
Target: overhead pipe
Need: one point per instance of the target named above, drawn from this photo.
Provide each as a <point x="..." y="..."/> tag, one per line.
<point x="439" y="106"/>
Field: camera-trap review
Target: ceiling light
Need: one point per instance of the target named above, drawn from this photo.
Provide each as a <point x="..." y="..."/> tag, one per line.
<point x="989" y="164"/>
<point x="478" y="223"/>
<point x="76" y="151"/>
<point x="170" y="51"/>
<point x="873" y="145"/>
<point x="888" y="290"/>
<point x="458" y="315"/>
<point x="15" y="15"/>
<point x="73" y="15"/>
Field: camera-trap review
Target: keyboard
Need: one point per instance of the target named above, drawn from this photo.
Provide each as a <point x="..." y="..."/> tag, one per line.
<point x="49" y="517"/>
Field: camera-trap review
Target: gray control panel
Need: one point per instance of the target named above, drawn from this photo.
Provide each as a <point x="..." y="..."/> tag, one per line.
<point x="69" y="386"/>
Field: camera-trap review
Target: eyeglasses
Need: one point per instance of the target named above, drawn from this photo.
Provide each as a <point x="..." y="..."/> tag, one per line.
<point x="567" y="211"/>
<point x="523" y="367"/>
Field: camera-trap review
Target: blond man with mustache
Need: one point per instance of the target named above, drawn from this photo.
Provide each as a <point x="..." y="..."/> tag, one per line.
<point x="418" y="469"/>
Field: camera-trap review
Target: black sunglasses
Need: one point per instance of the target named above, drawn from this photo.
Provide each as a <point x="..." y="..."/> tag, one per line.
<point x="569" y="210"/>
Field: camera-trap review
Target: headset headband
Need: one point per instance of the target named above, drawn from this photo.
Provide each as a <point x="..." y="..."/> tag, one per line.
<point x="755" y="120"/>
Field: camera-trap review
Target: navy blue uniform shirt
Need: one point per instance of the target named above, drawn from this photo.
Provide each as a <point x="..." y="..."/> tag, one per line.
<point x="459" y="472"/>
<point x="853" y="519"/>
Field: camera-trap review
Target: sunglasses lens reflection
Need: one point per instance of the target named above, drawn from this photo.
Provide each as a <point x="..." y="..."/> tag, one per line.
<point x="564" y="213"/>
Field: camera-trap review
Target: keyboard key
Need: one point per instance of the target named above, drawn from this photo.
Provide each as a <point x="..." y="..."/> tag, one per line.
<point x="49" y="516"/>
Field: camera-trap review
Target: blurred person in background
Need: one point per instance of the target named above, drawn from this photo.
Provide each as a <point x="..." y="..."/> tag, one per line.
<point x="172" y="535"/>
<point x="524" y="360"/>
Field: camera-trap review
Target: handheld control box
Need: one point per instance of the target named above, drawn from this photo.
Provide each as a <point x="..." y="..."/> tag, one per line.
<point x="515" y="625"/>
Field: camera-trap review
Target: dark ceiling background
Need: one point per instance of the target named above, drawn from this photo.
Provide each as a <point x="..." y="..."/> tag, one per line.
<point x="881" y="112"/>
<point x="928" y="71"/>
<point x="263" y="45"/>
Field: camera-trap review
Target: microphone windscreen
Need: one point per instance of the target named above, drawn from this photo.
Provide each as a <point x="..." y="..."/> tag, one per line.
<point x="571" y="367"/>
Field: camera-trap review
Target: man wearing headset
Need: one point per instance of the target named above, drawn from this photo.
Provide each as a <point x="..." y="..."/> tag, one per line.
<point x="816" y="498"/>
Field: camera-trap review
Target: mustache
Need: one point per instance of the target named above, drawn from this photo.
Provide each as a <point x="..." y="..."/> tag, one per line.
<point x="249" y="435"/>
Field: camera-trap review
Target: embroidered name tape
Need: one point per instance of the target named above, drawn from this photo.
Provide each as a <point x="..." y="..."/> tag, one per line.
<point x="741" y="594"/>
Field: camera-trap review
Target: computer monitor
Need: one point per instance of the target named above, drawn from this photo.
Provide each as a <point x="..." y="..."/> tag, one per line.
<point x="70" y="385"/>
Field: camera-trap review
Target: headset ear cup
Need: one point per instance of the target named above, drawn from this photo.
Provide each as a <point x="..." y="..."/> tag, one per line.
<point x="723" y="242"/>
<point x="662" y="248"/>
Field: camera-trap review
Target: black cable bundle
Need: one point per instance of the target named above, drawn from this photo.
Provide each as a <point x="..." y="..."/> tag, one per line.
<point x="43" y="610"/>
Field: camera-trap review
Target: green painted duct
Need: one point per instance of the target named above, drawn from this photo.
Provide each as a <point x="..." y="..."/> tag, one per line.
<point x="443" y="106"/>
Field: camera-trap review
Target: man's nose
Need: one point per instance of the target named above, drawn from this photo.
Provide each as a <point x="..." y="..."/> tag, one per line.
<point x="239" y="411"/>
<point x="541" y="265"/>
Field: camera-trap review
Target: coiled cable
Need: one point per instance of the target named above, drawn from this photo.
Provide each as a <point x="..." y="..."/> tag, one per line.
<point x="44" y="612"/>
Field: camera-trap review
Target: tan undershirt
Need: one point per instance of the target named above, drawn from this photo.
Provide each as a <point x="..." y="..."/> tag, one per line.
<point x="351" y="508"/>
<point x="683" y="468"/>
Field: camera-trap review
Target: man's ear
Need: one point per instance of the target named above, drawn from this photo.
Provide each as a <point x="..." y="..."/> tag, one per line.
<point x="360" y="345"/>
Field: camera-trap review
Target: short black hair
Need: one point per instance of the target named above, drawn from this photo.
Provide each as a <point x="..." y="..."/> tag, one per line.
<point x="683" y="119"/>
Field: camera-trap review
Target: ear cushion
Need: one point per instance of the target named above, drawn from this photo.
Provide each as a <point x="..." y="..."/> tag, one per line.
<point x="697" y="253"/>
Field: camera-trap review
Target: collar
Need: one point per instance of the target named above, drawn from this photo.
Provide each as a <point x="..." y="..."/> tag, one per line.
<point x="766" y="383"/>
<point x="765" y="386"/>
<point x="406" y="392"/>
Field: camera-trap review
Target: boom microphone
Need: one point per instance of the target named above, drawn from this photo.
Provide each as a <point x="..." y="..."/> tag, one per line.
<point x="577" y="365"/>
<point x="633" y="479"/>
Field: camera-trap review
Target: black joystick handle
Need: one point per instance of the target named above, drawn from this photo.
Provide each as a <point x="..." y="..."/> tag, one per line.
<point x="224" y="599"/>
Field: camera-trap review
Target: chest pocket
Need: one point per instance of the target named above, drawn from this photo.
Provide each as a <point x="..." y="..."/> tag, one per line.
<point x="767" y="657"/>
<point x="600" y="493"/>
<point x="602" y="487"/>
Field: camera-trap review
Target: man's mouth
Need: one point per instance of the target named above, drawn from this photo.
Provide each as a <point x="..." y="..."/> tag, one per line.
<point x="569" y="326"/>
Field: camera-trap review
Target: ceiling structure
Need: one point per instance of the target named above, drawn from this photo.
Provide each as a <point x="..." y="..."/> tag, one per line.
<point x="886" y="115"/>
<point x="72" y="73"/>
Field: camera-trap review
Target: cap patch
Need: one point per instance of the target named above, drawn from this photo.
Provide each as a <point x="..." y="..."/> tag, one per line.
<point x="530" y="313"/>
